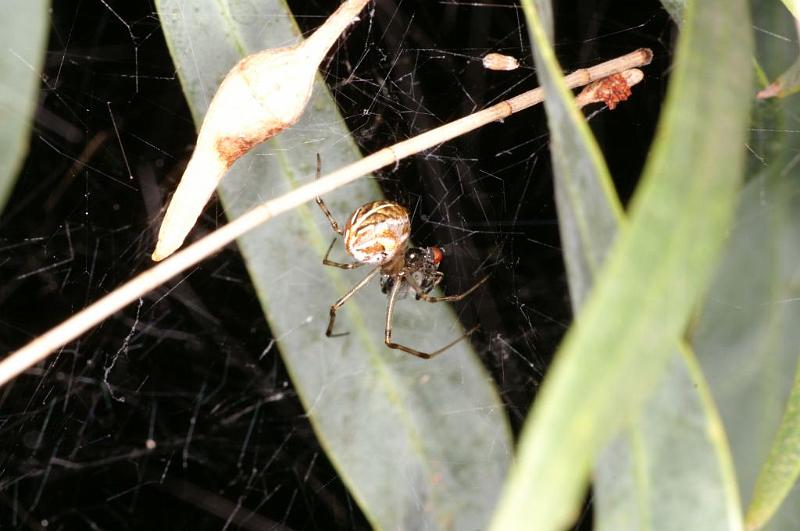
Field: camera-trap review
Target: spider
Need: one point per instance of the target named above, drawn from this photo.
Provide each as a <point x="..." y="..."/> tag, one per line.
<point x="377" y="233"/>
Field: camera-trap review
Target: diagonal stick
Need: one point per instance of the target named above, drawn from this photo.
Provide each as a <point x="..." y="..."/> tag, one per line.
<point x="56" y="337"/>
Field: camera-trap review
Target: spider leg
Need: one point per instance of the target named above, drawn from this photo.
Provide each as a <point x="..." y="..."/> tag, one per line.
<point x="338" y="304"/>
<point x="323" y="206"/>
<point x="446" y="298"/>
<point x="409" y="350"/>
<point x="340" y="265"/>
<point x="438" y="276"/>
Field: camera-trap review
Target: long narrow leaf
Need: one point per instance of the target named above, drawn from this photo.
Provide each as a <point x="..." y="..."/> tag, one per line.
<point x="671" y="469"/>
<point x="675" y="449"/>
<point x="746" y="336"/>
<point x="662" y="454"/>
<point x="420" y="444"/>
<point x="782" y="468"/>
<point x="793" y="6"/>
<point x="22" y="42"/>
<point x="588" y="207"/>
<point x="544" y="9"/>
<point x="656" y="270"/>
<point x="675" y="9"/>
<point x="747" y="340"/>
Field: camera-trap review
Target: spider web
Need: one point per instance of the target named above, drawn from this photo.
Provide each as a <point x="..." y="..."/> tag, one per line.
<point x="177" y="411"/>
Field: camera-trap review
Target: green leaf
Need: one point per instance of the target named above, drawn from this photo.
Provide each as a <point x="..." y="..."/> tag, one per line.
<point x="22" y="42"/>
<point x="653" y="276"/>
<point x="671" y="469"/>
<point x="662" y="455"/>
<point x="675" y="9"/>
<point x="656" y="458"/>
<point x="544" y="8"/>
<point x="420" y="444"/>
<point x="793" y="6"/>
<point x="746" y="335"/>
<point x="588" y="207"/>
<point x="780" y="472"/>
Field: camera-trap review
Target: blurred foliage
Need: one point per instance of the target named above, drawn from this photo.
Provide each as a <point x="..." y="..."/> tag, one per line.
<point x="746" y="333"/>
<point x="23" y="43"/>
<point x="642" y="300"/>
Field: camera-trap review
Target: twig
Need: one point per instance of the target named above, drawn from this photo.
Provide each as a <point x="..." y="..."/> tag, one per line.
<point x="39" y="348"/>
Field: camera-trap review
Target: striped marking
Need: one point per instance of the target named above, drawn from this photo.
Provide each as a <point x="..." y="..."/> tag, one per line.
<point x="377" y="231"/>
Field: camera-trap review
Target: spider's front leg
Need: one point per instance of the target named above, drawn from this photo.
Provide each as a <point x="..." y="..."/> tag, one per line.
<point x="324" y="207"/>
<point x="338" y="304"/>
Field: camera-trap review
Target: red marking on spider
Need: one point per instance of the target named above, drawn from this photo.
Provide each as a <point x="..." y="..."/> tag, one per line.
<point x="438" y="254"/>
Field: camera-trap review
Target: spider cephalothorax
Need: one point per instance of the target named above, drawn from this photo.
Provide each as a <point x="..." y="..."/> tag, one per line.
<point x="377" y="233"/>
<point x="422" y="263"/>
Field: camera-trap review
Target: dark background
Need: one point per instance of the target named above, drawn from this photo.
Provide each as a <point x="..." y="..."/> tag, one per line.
<point x="74" y="456"/>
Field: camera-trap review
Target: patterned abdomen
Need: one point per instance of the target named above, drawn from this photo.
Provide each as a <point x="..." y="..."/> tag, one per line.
<point x="377" y="231"/>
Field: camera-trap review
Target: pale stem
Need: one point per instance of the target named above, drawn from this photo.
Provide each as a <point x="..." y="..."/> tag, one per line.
<point x="323" y="38"/>
<point x="39" y="348"/>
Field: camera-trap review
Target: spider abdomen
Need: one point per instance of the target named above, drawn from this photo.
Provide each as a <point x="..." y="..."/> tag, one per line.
<point x="376" y="231"/>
